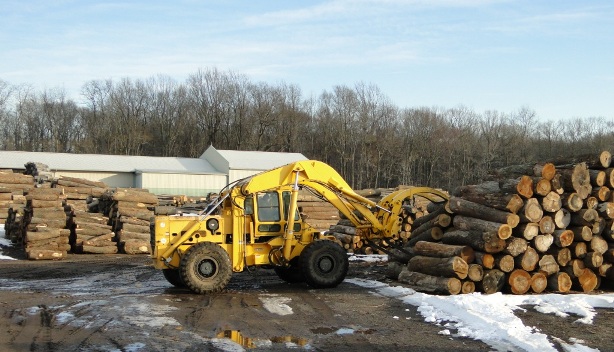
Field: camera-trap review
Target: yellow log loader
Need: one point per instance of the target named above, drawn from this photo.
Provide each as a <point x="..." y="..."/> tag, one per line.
<point x="255" y="222"/>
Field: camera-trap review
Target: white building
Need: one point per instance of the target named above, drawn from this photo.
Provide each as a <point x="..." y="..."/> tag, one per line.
<point x="160" y="175"/>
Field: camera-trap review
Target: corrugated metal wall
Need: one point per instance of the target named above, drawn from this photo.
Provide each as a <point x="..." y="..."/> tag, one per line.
<point x="234" y="175"/>
<point x="184" y="184"/>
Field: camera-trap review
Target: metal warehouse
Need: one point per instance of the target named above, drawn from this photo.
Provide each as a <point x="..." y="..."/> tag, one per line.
<point x="161" y="175"/>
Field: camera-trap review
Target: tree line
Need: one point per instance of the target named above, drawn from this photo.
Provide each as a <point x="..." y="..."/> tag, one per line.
<point x="356" y="129"/>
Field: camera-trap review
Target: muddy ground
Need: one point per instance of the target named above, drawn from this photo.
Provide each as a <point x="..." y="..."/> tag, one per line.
<point x="120" y="303"/>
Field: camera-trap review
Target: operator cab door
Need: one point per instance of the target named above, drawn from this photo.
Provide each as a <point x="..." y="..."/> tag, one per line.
<point x="270" y="217"/>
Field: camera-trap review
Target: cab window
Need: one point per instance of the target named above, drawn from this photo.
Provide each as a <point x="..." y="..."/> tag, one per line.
<point x="268" y="206"/>
<point x="286" y="197"/>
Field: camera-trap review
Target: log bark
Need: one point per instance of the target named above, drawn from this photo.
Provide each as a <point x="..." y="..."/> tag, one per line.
<point x="135" y="196"/>
<point x="430" y="284"/>
<point x="394" y="269"/>
<point x="598" y="244"/>
<point x="442" y="250"/>
<point x="460" y="222"/>
<point x="603" y="193"/>
<point x="584" y="217"/>
<point x="36" y="203"/>
<point x="519" y="281"/>
<point x="135" y="247"/>
<point x="490" y="195"/>
<point x="400" y="256"/>
<point x="431" y="235"/>
<point x="493" y="281"/>
<point x="578" y="250"/>
<point x="546" y="171"/>
<point x="474" y="210"/>
<point x="593" y="260"/>
<point x="481" y="241"/>
<point x="99" y="250"/>
<point x="582" y="233"/>
<point x="16" y="179"/>
<point x="606" y="210"/>
<point x="597" y="177"/>
<point x="446" y="267"/>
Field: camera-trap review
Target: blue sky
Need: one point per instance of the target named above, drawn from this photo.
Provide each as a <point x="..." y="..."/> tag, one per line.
<point x="555" y="57"/>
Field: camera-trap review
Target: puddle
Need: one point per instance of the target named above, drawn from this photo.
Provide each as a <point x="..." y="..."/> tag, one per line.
<point x="248" y="342"/>
<point x="341" y="331"/>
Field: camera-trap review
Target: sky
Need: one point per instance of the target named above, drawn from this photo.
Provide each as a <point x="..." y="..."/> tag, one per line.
<point x="554" y="57"/>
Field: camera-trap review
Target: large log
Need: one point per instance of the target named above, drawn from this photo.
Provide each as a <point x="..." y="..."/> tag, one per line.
<point x="81" y="181"/>
<point x="14" y="178"/>
<point x="584" y="217"/>
<point x="519" y="281"/>
<point x="523" y="186"/>
<point x="546" y="170"/>
<point x="531" y="211"/>
<point x="446" y="267"/>
<point x="135" y="196"/>
<point x="552" y="202"/>
<point x="527" y="260"/>
<point x="45" y="254"/>
<point x="475" y="272"/>
<point x="543" y="242"/>
<point x="394" y="269"/>
<point x="563" y="238"/>
<point x="489" y="194"/>
<point x="546" y="225"/>
<point x="603" y="193"/>
<point x="601" y="160"/>
<point x="488" y="242"/>
<point x="36" y="203"/>
<point x="493" y="281"/>
<point x="548" y="265"/>
<point x="572" y="201"/>
<point x="587" y="280"/>
<point x="527" y="230"/>
<point x="126" y="235"/>
<point x="561" y="255"/>
<point x="515" y="246"/>
<point x="441" y="209"/>
<point x="582" y="233"/>
<point x="99" y="250"/>
<point x="542" y="186"/>
<point x="486" y="260"/>
<point x="539" y="282"/>
<point x="430" y="284"/>
<point x="468" y="287"/>
<point x="504" y="231"/>
<point x="504" y="262"/>
<point x="598" y="244"/>
<point x="598" y="177"/>
<point x="442" y="250"/>
<point x="141" y="228"/>
<point x="577" y="179"/>
<point x="432" y="234"/>
<point x="578" y="250"/>
<point x="559" y="282"/>
<point x="474" y="210"/>
<point x="400" y="256"/>
<point x="562" y="218"/>
<point x="593" y="260"/>
<point x="606" y="210"/>
<point x="441" y="220"/>
<point x="135" y="247"/>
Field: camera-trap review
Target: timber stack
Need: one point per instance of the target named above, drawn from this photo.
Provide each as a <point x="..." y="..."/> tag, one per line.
<point x="130" y="211"/>
<point x="542" y="227"/>
<point x="316" y="211"/>
<point x="44" y="225"/>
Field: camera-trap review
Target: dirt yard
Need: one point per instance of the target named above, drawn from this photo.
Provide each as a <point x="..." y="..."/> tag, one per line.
<point x="120" y="303"/>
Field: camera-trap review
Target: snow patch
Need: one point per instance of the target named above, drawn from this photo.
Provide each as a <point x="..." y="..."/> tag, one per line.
<point x="491" y="319"/>
<point x="4" y="242"/>
<point x="276" y="304"/>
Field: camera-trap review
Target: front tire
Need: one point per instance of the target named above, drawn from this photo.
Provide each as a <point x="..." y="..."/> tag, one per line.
<point x="324" y="263"/>
<point x="174" y="277"/>
<point x="205" y="268"/>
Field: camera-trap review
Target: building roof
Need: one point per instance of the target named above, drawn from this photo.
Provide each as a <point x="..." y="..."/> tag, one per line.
<point x="251" y="160"/>
<point x="107" y="163"/>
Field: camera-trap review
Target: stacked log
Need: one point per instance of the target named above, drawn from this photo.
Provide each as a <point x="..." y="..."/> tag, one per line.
<point x="317" y="212"/>
<point x="91" y="233"/>
<point x="79" y="192"/>
<point x="130" y="217"/>
<point x="549" y="228"/>
<point x="46" y="236"/>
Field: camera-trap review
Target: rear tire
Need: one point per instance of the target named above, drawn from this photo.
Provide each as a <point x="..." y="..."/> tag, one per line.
<point x="174" y="277"/>
<point x="292" y="274"/>
<point x="324" y="263"/>
<point x="205" y="268"/>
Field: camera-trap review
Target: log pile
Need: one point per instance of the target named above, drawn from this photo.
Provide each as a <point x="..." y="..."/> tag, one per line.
<point x="44" y="225"/>
<point x="545" y="227"/>
<point x="130" y="212"/>
<point x="317" y="212"/>
<point x="79" y="192"/>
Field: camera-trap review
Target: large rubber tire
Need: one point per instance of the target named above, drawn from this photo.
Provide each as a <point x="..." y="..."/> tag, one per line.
<point x="205" y="268"/>
<point x="292" y="274"/>
<point x="324" y="263"/>
<point x="174" y="277"/>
